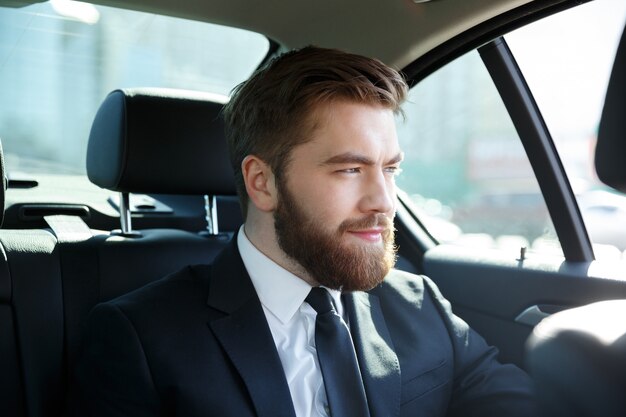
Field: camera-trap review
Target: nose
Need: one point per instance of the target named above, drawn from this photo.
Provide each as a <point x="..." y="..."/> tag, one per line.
<point x="379" y="194"/>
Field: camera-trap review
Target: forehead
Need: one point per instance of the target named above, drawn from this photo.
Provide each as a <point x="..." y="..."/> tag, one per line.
<point x="343" y="126"/>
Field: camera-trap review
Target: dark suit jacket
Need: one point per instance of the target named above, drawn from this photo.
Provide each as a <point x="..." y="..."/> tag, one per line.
<point x="197" y="344"/>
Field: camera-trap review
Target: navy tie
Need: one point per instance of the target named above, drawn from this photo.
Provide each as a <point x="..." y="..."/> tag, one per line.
<point x="342" y="379"/>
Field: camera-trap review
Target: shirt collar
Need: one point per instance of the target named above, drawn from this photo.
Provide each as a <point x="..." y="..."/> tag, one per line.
<point x="267" y="276"/>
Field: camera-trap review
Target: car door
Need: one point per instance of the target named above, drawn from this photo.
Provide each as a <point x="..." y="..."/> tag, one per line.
<point x="500" y="205"/>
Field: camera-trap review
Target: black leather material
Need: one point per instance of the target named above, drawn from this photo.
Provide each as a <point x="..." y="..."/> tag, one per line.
<point x="5" y="279"/>
<point x="611" y="146"/>
<point x="37" y="306"/>
<point x="160" y="141"/>
<point x="11" y="389"/>
<point x="578" y="361"/>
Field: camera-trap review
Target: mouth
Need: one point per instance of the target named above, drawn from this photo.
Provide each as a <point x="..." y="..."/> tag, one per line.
<point x="369" y="235"/>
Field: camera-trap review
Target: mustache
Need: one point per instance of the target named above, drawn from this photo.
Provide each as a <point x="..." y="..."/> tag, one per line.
<point x="368" y="222"/>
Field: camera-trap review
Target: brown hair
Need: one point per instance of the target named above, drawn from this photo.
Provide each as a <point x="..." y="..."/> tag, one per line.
<point x="269" y="114"/>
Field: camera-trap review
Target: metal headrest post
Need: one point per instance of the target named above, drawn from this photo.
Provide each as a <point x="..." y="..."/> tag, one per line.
<point x="125" y="218"/>
<point x="210" y="205"/>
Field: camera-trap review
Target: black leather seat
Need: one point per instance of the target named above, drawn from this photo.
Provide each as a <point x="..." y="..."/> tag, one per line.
<point x="578" y="361"/>
<point x="578" y="357"/>
<point x="142" y="141"/>
<point x="160" y="141"/>
<point x="11" y="387"/>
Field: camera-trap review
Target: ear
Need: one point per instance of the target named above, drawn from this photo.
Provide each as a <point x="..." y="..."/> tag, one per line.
<point x="260" y="184"/>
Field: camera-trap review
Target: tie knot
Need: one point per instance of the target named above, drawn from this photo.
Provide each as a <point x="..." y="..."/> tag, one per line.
<point x="320" y="300"/>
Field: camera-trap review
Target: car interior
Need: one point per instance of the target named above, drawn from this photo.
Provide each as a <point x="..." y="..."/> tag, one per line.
<point x="53" y="277"/>
<point x="159" y="195"/>
<point x="578" y="356"/>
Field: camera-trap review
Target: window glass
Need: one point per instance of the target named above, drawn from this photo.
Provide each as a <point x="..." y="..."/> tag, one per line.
<point x="465" y="170"/>
<point x="566" y="60"/>
<point x="58" y="60"/>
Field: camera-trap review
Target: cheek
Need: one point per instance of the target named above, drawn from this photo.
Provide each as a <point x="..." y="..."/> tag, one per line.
<point x="332" y="205"/>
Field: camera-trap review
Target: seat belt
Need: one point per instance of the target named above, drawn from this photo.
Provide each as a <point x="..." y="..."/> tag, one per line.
<point x="68" y="228"/>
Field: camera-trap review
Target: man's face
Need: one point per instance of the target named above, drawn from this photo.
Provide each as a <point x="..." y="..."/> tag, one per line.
<point x="337" y="198"/>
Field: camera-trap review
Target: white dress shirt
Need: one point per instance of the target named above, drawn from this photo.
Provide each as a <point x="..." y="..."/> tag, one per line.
<point x="292" y="323"/>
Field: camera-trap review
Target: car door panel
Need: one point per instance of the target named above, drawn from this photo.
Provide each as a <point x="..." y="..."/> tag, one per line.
<point x="491" y="291"/>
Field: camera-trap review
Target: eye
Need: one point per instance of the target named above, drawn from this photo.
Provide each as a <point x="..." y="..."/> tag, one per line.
<point x="354" y="170"/>
<point x="393" y="170"/>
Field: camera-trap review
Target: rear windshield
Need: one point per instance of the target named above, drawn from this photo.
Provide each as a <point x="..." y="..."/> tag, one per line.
<point x="58" y="60"/>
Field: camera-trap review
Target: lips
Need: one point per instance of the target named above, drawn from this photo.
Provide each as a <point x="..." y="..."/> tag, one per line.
<point x="370" y="235"/>
<point x="371" y="229"/>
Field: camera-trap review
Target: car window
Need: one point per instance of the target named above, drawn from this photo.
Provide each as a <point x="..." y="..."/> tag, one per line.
<point x="465" y="171"/>
<point x="58" y="60"/>
<point x="566" y="60"/>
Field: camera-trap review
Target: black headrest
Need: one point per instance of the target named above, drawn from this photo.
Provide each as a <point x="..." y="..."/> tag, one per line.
<point x="611" y="148"/>
<point x="577" y="359"/>
<point x="160" y="141"/>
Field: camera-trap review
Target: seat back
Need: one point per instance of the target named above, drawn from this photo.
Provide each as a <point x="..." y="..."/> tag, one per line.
<point x="11" y="390"/>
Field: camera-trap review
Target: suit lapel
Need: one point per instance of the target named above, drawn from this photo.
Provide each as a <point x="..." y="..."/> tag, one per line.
<point x="245" y="335"/>
<point x="377" y="358"/>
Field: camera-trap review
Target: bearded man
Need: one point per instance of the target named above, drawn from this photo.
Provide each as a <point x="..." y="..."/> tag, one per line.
<point x="305" y="316"/>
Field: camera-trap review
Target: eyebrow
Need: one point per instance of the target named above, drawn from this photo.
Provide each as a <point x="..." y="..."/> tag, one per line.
<point x="354" y="158"/>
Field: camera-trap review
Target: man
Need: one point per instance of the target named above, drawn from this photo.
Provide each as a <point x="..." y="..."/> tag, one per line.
<point x="315" y="152"/>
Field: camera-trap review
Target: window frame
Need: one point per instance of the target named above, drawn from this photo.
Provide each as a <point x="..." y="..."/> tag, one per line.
<point x="540" y="150"/>
<point x="528" y="121"/>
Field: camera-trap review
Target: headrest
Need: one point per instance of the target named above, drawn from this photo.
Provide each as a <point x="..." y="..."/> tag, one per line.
<point x="160" y="141"/>
<point x="611" y="147"/>
<point x="577" y="359"/>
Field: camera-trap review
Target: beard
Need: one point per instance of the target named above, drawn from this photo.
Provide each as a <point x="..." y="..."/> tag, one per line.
<point x="325" y="256"/>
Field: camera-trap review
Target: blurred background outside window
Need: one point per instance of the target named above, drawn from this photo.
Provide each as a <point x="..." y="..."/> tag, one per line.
<point x="59" y="60"/>
<point x="466" y="172"/>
